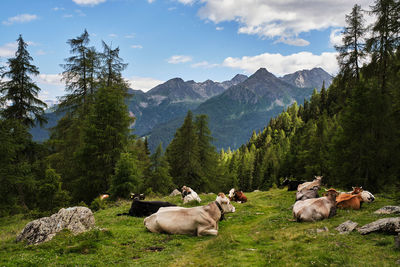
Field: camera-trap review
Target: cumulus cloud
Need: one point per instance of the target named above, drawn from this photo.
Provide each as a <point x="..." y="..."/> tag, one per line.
<point x="179" y="59"/>
<point x="335" y="37"/>
<point x="137" y="46"/>
<point x="8" y="50"/>
<point x="23" y="18"/>
<point x="58" y="8"/>
<point x="50" y="79"/>
<point x="130" y="36"/>
<point x="88" y="2"/>
<point x="281" y="20"/>
<point x="281" y="65"/>
<point x="188" y="2"/>
<point x="204" y="64"/>
<point x="219" y="28"/>
<point x="143" y="83"/>
<point x="113" y="35"/>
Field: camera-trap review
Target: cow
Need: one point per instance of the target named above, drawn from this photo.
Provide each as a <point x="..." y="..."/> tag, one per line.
<point x="200" y="221"/>
<point x="306" y="193"/>
<point x="237" y="196"/>
<point x="292" y="185"/>
<point x="354" y="201"/>
<point x="104" y="196"/>
<point x="315" y="209"/>
<point x="309" y="185"/>
<point x="138" y="196"/>
<point x="189" y="195"/>
<point x="141" y="208"/>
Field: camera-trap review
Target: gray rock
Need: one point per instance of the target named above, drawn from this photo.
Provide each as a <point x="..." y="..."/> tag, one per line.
<point x="75" y="219"/>
<point x="387" y="225"/>
<point x="321" y="230"/>
<point x="175" y="193"/>
<point x="388" y="210"/>
<point x="346" y="227"/>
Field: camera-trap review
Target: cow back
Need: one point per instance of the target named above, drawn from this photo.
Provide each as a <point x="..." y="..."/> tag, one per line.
<point x="145" y="208"/>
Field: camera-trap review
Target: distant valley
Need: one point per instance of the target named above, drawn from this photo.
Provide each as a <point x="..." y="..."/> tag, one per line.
<point x="235" y="107"/>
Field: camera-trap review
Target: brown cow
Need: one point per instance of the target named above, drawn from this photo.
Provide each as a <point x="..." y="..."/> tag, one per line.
<point x="315" y="209"/>
<point x="202" y="220"/>
<point x="354" y="200"/>
<point x="237" y="196"/>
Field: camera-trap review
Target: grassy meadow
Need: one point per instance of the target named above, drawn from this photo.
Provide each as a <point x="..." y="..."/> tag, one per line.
<point x="260" y="233"/>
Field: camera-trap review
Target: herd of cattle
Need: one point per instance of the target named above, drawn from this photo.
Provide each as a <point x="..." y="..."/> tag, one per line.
<point x="165" y="217"/>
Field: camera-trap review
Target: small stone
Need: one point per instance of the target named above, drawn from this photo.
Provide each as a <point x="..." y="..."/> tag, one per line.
<point x="321" y="230"/>
<point x="387" y="225"/>
<point x="346" y="227"/>
<point x="175" y="193"/>
<point x="388" y="210"/>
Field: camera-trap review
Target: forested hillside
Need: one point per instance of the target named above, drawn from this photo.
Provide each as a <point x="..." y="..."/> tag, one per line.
<point x="348" y="132"/>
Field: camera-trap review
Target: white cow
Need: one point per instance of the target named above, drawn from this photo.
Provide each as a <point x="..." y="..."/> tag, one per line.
<point x="189" y="195"/>
<point x="201" y="220"/>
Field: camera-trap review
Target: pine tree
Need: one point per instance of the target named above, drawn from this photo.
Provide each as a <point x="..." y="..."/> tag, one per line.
<point x="183" y="156"/>
<point x="112" y="65"/>
<point x="79" y="72"/>
<point x="105" y="135"/>
<point x="352" y="49"/>
<point x="127" y="177"/>
<point x="160" y="181"/>
<point x="20" y="90"/>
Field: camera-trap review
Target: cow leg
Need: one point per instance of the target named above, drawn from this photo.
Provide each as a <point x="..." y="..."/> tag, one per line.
<point x="201" y="232"/>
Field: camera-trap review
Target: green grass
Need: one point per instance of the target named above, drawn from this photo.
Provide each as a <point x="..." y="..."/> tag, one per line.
<point x="260" y="233"/>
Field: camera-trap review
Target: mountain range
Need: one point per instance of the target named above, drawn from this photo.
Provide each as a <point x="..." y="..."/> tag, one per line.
<point x="235" y="107"/>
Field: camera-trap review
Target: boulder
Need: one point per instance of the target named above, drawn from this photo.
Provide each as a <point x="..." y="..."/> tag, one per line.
<point x="175" y="193"/>
<point x="346" y="227"/>
<point x="388" y="210"/>
<point x="75" y="219"/>
<point x="387" y="225"/>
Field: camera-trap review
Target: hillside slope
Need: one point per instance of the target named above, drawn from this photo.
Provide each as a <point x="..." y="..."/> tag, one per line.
<point x="260" y="233"/>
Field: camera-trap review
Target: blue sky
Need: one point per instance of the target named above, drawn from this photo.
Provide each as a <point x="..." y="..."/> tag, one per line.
<point x="191" y="39"/>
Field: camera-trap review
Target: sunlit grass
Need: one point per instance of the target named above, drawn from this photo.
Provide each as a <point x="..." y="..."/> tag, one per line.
<point x="260" y="233"/>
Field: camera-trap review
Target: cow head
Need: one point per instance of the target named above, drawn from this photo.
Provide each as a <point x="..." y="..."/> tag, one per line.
<point x="225" y="203"/>
<point x="367" y="196"/>
<point x="138" y="196"/>
<point x="356" y="190"/>
<point x="331" y="194"/>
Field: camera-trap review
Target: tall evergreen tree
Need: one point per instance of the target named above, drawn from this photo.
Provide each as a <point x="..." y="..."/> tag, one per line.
<point x="352" y="49"/>
<point x="112" y="65"/>
<point x="183" y="156"/>
<point x="20" y="90"/>
<point x="78" y="73"/>
<point x="160" y="181"/>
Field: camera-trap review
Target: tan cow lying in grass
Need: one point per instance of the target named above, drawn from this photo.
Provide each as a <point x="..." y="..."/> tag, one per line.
<point x="202" y="220"/>
<point x="316" y="209"/>
<point x="309" y="190"/>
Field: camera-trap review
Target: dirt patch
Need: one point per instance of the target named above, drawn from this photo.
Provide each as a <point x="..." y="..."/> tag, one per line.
<point x="155" y="249"/>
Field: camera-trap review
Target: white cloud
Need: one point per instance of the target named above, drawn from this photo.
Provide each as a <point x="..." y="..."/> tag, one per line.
<point x="204" y="64"/>
<point x="67" y="16"/>
<point x="88" y="2"/>
<point x="130" y="36"/>
<point x="219" y="28"/>
<point x="335" y="37"/>
<point x="8" y="50"/>
<point x="58" y="8"/>
<point x="137" y="46"/>
<point x="143" y="83"/>
<point x="282" y="20"/>
<point x="113" y="35"/>
<point x="171" y="8"/>
<point x="179" y="59"/>
<point x="20" y="19"/>
<point x="41" y="52"/>
<point x="280" y="64"/>
<point x="150" y="1"/>
<point x="50" y="79"/>
<point x="188" y="2"/>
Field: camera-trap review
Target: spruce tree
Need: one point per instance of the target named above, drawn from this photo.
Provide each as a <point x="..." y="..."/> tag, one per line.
<point x="20" y="90"/>
<point x="160" y="181"/>
<point x="112" y="65"/>
<point x="352" y="49"/>
<point x="183" y="156"/>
